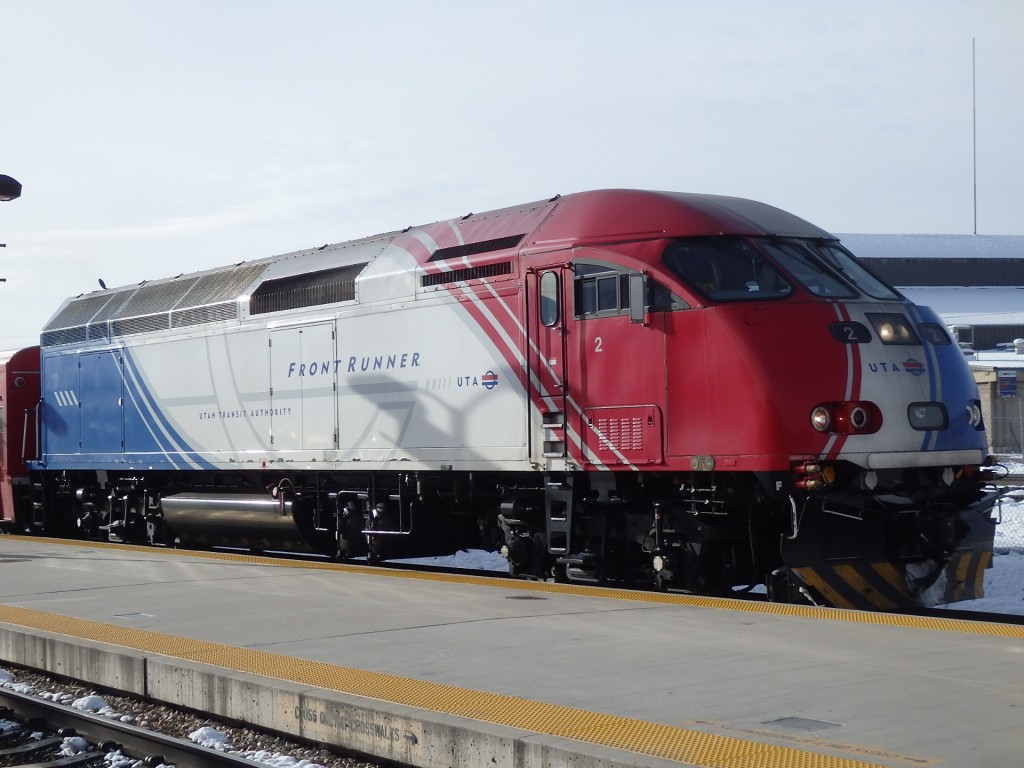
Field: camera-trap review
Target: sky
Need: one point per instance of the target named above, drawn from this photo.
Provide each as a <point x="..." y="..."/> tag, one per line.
<point x="175" y="136"/>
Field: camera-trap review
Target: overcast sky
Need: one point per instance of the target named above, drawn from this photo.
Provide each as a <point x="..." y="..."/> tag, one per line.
<point x="159" y="137"/>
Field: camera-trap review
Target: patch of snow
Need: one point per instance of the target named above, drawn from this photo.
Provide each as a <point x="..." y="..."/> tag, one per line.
<point x="210" y="738"/>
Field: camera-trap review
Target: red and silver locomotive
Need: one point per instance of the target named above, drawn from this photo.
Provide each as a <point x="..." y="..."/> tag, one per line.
<point x="690" y="391"/>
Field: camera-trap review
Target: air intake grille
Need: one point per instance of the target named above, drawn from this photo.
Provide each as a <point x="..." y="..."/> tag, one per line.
<point x="207" y="298"/>
<point x="327" y="286"/>
<point x="144" y="324"/>
<point x="84" y="317"/>
<point x="471" y="249"/>
<point x="155" y="298"/>
<point x="470" y="273"/>
<point x="62" y="336"/>
<point x="212" y="313"/>
<point x="99" y="331"/>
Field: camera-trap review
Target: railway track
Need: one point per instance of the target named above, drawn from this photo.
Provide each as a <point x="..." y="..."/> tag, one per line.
<point x="156" y="731"/>
<point x="64" y="736"/>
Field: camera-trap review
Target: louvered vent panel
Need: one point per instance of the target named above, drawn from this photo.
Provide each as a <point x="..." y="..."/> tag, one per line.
<point x="99" y="331"/>
<point x="211" y="313"/>
<point x="71" y="324"/>
<point x="469" y="273"/>
<point x="224" y="286"/>
<point x="156" y="297"/>
<point x="326" y="286"/>
<point x="62" y="336"/>
<point x="147" y="324"/>
<point x="471" y="249"/>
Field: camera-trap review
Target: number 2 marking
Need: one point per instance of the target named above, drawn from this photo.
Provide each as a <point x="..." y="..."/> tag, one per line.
<point x="597" y="344"/>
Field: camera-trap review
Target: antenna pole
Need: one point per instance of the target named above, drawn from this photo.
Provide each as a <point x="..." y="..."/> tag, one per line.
<point x="974" y="131"/>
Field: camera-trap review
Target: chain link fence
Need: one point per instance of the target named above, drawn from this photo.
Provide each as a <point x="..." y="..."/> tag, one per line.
<point x="1009" y="516"/>
<point x="1009" y="513"/>
<point x="1006" y="434"/>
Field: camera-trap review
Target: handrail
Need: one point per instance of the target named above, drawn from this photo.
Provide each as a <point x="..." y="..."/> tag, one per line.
<point x="33" y="414"/>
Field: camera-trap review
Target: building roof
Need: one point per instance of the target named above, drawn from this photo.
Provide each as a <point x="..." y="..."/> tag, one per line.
<point x="996" y="359"/>
<point x="935" y="246"/>
<point x="972" y="306"/>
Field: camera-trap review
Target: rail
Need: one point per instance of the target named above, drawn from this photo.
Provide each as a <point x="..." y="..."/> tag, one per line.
<point x="137" y="742"/>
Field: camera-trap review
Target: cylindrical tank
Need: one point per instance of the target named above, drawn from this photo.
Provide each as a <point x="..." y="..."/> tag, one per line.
<point x="246" y="520"/>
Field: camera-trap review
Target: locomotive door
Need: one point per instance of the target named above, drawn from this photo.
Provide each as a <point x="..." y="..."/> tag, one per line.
<point x="616" y="353"/>
<point x="548" y="383"/>
<point x="303" y="395"/>
<point x="101" y="396"/>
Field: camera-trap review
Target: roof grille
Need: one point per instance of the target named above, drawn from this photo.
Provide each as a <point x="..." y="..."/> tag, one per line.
<point x="62" y="336"/>
<point x="84" y="318"/>
<point x="176" y="303"/>
<point x="469" y="273"/>
<point x="326" y="286"/>
<point x="471" y="249"/>
<point x="144" y="324"/>
<point x="99" y="331"/>
<point x="211" y="313"/>
<point x="155" y="298"/>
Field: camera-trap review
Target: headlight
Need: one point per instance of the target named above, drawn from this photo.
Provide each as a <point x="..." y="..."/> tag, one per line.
<point x="847" y="418"/>
<point x="893" y="328"/>
<point x="859" y="418"/>
<point x="821" y="418"/>
<point x="925" y="416"/>
<point x="974" y="417"/>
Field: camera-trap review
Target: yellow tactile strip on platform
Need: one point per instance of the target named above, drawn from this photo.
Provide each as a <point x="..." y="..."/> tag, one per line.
<point x="961" y="626"/>
<point x="681" y="744"/>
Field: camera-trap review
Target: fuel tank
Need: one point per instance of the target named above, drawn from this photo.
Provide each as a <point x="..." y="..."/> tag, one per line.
<point x="242" y="520"/>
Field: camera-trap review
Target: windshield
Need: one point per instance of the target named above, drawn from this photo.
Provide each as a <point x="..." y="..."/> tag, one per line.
<point x="812" y="272"/>
<point x="746" y="269"/>
<point x="841" y="259"/>
<point x="726" y="269"/>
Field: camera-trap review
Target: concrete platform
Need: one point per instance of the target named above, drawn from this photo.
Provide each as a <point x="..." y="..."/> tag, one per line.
<point x="461" y="671"/>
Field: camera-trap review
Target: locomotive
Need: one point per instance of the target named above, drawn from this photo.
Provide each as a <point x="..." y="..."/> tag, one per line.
<point x="683" y="391"/>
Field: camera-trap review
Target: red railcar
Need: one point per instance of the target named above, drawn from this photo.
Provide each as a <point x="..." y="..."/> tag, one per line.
<point x="19" y="397"/>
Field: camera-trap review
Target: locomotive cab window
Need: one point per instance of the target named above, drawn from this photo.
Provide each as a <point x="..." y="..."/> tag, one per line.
<point x="726" y="269"/>
<point x="602" y="290"/>
<point x="549" y="299"/>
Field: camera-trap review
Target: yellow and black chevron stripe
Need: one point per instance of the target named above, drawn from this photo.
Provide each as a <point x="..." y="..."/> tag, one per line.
<point x="965" y="575"/>
<point x="882" y="586"/>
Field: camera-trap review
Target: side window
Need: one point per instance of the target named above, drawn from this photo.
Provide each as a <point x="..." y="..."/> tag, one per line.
<point x="602" y="290"/>
<point x="549" y="299"/>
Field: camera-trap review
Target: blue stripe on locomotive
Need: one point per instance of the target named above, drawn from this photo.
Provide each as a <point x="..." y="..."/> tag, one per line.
<point x="954" y="385"/>
<point x="97" y="412"/>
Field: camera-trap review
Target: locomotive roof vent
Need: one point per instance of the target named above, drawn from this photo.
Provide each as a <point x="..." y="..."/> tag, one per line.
<point x="310" y="289"/>
<point x="158" y="306"/>
<point x="471" y="249"/>
<point x="469" y="273"/>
